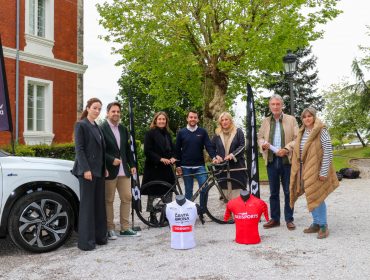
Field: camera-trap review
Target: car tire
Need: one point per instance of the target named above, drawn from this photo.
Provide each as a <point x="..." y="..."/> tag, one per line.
<point x="41" y="221"/>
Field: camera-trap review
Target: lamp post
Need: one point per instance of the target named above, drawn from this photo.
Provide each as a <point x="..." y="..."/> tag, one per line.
<point x="290" y="65"/>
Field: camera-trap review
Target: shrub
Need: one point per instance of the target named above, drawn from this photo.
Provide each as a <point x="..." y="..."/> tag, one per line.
<point x="61" y="151"/>
<point x="140" y="157"/>
<point x="64" y="151"/>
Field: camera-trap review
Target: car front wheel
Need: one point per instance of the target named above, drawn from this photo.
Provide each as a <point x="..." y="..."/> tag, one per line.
<point x="40" y="221"/>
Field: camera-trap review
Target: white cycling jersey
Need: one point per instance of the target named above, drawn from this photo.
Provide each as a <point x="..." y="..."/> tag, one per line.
<point x="182" y="220"/>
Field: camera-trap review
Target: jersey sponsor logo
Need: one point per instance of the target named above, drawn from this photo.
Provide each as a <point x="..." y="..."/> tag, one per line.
<point x="182" y="228"/>
<point x="245" y="216"/>
<point x="183" y="217"/>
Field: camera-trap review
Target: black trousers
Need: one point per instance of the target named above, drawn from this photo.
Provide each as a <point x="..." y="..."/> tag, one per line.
<point x="92" y="221"/>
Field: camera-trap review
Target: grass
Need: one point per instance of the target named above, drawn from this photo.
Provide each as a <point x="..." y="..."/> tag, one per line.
<point x="341" y="159"/>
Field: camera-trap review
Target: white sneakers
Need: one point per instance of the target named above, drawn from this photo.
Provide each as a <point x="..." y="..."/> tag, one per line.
<point x="112" y="235"/>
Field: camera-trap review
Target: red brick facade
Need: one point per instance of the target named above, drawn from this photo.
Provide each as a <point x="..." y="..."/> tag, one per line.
<point x="64" y="78"/>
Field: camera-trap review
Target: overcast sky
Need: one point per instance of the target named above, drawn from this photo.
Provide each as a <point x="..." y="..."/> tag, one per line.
<point x="335" y="51"/>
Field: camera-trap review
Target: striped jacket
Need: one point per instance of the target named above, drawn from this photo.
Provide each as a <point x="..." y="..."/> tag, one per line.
<point x="308" y="182"/>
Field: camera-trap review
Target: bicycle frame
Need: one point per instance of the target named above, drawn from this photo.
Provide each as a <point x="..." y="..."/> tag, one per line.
<point x="211" y="180"/>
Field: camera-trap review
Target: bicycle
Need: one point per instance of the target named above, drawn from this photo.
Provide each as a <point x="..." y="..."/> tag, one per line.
<point x="215" y="199"/>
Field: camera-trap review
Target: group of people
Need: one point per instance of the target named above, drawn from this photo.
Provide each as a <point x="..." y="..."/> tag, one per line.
<point x="187" y="155"/>
<point x="300" y="158"/>
<point x="104" y="163"/>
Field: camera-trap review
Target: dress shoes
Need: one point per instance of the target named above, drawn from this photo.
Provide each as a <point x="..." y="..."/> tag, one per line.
<point x="290" y="225"/>
<point x="314" y="228"/>
<point x="271" y="224"/>
<point x="102" y="242"/>
<point x="323" y="232"/>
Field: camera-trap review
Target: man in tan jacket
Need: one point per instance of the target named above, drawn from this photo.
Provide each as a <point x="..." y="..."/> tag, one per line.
<point x="276" y="140"/>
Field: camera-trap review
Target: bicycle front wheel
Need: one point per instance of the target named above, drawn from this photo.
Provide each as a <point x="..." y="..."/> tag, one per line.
<point x="216" y="200"/>
<point x="152" y="211"/>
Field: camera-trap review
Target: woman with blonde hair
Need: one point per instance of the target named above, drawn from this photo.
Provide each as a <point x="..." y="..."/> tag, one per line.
<point x="229" y="142"/>
<point x="312" y="170"/>
<point x="159" y="155"/>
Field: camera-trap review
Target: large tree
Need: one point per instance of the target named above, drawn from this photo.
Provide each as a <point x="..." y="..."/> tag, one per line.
<point x="344" y="113"/>
<point x="209" y="48"/>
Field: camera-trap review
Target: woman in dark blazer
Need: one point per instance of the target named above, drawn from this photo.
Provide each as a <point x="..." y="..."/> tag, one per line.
<point x="230" y="145"/>
<point x="160" y="154"/>
<point x="89" y="167"/>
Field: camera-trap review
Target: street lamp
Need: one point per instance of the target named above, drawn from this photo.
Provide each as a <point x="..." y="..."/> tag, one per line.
<point x="290" y="65"/>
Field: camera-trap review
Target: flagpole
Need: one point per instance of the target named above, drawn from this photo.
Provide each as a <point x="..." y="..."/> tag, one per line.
<point x="135" y="181"/>
<point x="252" y="149"/>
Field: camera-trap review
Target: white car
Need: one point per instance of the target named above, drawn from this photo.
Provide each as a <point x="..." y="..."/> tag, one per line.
<point x="39" y="200"/>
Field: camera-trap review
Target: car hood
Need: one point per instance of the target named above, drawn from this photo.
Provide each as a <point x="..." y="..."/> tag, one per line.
<point x="60" y="162"/>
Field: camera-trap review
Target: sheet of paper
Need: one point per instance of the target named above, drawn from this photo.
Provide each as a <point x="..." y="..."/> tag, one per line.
<point x="273" y="149"/>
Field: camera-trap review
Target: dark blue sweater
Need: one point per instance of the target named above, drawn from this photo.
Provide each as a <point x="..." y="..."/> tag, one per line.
<point x="190" y="145"/>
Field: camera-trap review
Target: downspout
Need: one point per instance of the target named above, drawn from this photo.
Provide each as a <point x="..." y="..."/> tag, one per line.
<point x="17" y="77"/>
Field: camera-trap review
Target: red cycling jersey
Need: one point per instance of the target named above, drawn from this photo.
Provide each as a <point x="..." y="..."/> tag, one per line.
<point x="246" y="216"/>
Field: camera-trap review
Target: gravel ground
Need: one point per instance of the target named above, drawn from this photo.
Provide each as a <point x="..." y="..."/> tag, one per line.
<point x="282" y="254"/>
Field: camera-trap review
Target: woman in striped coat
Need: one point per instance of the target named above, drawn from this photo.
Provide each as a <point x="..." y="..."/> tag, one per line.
<point x="312" y="170"/>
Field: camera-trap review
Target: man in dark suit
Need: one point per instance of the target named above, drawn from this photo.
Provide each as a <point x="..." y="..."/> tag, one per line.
<point x="119" y="162"/>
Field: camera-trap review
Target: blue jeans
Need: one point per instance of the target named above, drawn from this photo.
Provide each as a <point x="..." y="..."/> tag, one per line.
<point x="189" y="182"/>
<point x="277" y="171"/>
<point x="319" y="215"/>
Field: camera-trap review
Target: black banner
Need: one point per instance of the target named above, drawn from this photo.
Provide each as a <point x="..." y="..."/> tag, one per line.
<point x="135" y="182"/>
<point x="252" y="149"/>
<point x="5" y="114"/>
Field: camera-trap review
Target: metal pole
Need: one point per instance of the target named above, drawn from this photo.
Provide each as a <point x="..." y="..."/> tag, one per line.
<point x="17" y="77"/>
<point x="291" y="96"/>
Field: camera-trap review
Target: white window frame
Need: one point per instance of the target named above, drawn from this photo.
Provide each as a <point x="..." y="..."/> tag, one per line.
<point x="40" y="45"/>
<point x="46" y="136"/>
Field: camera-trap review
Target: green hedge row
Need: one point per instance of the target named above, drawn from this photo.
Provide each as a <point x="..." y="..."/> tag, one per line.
<point x="62" y="151"/>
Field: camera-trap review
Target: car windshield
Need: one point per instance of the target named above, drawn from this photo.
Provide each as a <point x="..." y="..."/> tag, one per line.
<point x="3" y="153"/>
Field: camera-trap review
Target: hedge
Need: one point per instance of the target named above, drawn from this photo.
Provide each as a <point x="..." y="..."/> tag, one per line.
<point x="63" y="151"/>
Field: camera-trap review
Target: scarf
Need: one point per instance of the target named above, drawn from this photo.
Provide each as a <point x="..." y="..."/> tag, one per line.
<point x="272" y="135"/>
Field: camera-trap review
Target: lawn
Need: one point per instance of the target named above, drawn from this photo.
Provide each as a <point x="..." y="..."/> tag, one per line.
<point x="341" y="159"/>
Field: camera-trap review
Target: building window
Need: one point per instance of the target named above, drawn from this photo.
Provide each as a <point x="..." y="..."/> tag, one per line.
<point x="39" y="27"/>
<point x="37" y="17"/>
<point x="38" y="113"/>
<point x="36" y="107"/>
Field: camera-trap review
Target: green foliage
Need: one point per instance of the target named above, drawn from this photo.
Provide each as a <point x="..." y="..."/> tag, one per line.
<point x="340" y="162"/>
<point x="64" y="151"/>
<point x="262" y="169"/>
<point x="342" y="157"/>
<point x="20" y="150"/>
<point x="208" y="49"/>
<point x="344" y="112"/>
<point x="61" y="151"/>
<point x="140" y="157"/>
<point x="304" y="81"/>
<point x="336" y="142"/>
<point x="363" y="152"/>
<point x="361" y="87"/>
<point x="145" y="105"/>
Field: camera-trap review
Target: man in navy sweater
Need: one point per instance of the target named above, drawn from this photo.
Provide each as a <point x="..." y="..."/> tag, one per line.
<point x="190" y="143"/>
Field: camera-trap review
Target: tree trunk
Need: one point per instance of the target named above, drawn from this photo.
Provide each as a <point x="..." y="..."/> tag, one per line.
<point x="360" y="138"/>
<point x="214" y="102"/>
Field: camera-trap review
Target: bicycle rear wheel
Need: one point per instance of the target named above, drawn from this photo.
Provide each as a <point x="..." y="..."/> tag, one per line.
<point x="216" y="200"/>
<point x="155" y="216"/>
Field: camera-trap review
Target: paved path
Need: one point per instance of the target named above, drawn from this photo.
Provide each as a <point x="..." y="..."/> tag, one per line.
<point x="281" y="255"/>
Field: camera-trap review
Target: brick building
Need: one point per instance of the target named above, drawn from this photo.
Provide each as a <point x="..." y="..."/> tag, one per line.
<point x="43" y="50"/>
